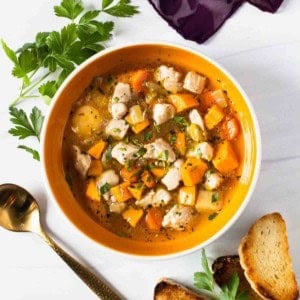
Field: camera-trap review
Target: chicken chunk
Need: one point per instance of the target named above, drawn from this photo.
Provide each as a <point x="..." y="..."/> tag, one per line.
<point x="117" y="129"/>
<point x="170" y="78"/>
<point x="108" y="177"/>
<point x="172" y="179"/>
<point x="122" y="93"/>
<point x="82" y="161"/>
<point x="117" y="207"/>
<point x="113" y="204"/>
<point x="196" y="118"/>
<point x="163" y="112"/>
<point x="213" y="180"/>
<point x="159" y="198"/>
<point x="194" y="82"/>
<point x="147" y="200"/>
<point x="160" y="150"/>
<point x="202" y="150"/>
<point x="118" y="110"/>
<point x="123" y="152"/>
<point x="179" y="217"/>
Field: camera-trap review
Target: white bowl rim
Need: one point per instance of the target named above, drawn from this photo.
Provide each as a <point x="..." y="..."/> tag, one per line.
<point x="256" y="167"/>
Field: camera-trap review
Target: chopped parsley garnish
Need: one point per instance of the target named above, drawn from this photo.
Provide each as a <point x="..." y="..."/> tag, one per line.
<point x="141" y="152"/>
<point x="157" y="128"/>
<point x="215" y="197"/>
<point x="108" y="153"/>
<point x="180" y="121"/>
<point x="212" y="216"/>
<point x="148" y="136"/>
<point x="105" y="188"/>
<point x="116" y="99"/>
<point x="173" y="139"/>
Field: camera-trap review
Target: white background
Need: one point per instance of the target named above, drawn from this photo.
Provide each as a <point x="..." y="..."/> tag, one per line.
<point x="260" y="49"/>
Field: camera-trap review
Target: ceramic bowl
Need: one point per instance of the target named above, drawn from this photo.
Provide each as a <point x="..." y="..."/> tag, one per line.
<point x="109" y="61"/>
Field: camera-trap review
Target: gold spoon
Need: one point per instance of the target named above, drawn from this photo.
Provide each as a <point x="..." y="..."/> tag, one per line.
<point x="20" y="212"/>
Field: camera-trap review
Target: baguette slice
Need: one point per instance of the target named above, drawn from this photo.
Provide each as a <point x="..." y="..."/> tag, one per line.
<point x="265" y="258"/>
<point x="167" y="289"/>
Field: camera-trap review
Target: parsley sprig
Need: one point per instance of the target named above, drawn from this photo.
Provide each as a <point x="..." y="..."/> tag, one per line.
<point x="25" y="127"/>
<point x="205" y="281"/>
<point x="43" y="64"/>
<point x="58" y="52"/>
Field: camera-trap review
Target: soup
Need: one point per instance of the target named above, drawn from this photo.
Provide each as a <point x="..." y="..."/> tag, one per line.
<point x="149" y="152"/>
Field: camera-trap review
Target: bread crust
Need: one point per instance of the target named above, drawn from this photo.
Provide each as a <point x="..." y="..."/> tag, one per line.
<point x="167" y="289"/>
<point x="265" y="258"/>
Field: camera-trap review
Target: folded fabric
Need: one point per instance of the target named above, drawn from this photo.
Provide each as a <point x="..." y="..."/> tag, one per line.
<point x="198" y="20"/>
<point x="267" y="5"/>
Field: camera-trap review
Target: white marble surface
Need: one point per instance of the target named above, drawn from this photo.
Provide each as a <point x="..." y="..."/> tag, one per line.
<point x="261" y="50"/>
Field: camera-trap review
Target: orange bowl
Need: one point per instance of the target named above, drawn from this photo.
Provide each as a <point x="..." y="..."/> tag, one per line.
<point x="134" y="55"/>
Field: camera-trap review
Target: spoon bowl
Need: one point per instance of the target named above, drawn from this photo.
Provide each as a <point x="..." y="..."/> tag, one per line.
<point x="18" y="209"/>
<point x="19" y="212"/>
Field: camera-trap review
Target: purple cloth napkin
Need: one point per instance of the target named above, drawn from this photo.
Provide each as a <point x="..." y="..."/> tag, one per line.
<point x="197" y="20"/>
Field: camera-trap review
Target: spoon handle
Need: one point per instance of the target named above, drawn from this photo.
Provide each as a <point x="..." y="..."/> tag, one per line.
<point x="93" y="282"/>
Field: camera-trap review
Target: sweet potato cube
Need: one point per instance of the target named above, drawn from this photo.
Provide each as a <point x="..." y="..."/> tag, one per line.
<point x="187" y="195"/>
<point x="180" y="143"/>
<point x="214" y="116"/>
<point x="95" y="168"/>
<point x="225" y="159"/>
<point x="121" y="192"/>
<point x="192" y="171"/>
<point x="137" y="191"/>
<point x="183" y="101"/>
<point x="159" y="172"/>
<point x="139" y="127"/>
<point x="92" y="191"/>
<point x="208" y="201"/>
<point x="132" y="215"/>
<point x="97" y="149"/>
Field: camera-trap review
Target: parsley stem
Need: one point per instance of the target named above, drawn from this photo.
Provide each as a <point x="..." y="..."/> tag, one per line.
<point x="26" y="91"/>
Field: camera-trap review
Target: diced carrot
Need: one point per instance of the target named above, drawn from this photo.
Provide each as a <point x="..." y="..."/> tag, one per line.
<point x="131" y="174"/>
<point x="230" y="128"/>
<point x="207" y="100"/>
<point x="138" y="79"/>
<point x="97" y="149"/>
<point x="180" y="144"/>
<point x="132" y="215"/>
<point x="158" y="172"/>
<point x="225" y="159"/>
<point x="183" y="102"/>
<point x="148" y="179"/>
<point x="154" y="219"/>
<point x="95" y="168"/>
<point x="137" y="190"/>
<point x="192" y="171"/>
<point x="121" y="192"/>
<point x="187" y="195"/>
<point x="92" y="191"/>
<point x="213" y="117"/>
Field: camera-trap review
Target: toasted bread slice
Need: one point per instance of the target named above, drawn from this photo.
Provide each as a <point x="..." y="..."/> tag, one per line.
<point x="167" y="289"/>
<point x="223" y="269"/>
<point x="265" y="258"/>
